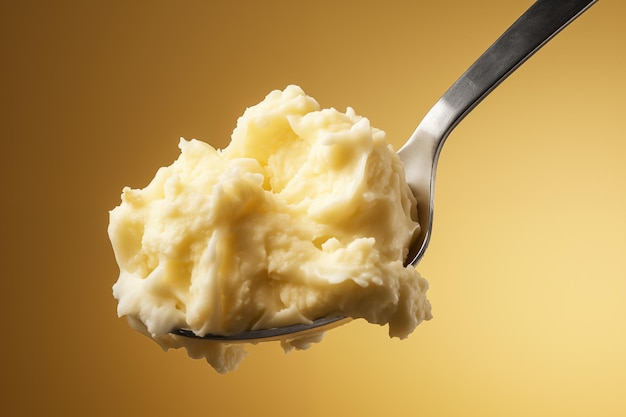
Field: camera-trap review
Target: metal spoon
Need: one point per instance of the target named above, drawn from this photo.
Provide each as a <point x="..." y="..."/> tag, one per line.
<point x="543" y="20"/>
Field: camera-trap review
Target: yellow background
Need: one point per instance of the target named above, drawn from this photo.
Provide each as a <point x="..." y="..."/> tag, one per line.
<point x="527" y="261"/>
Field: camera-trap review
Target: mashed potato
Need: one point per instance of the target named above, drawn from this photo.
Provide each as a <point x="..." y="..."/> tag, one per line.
<point x="305" y="214"/>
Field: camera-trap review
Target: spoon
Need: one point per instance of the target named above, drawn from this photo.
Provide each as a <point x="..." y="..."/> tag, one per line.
<point x="542" y="21"/>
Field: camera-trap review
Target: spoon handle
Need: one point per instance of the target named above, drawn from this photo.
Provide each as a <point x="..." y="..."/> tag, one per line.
<point x="540" y="23"/>
<point x="543" y="20"/>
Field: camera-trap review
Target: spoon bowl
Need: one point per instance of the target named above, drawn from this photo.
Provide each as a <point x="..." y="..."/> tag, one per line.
<point x="540" y="23"/>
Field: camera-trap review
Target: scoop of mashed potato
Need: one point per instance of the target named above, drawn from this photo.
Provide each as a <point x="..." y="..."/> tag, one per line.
<point x="305" y="214"/>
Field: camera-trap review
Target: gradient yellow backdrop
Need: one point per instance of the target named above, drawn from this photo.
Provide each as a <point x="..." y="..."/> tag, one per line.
<point x="527" y="262"/>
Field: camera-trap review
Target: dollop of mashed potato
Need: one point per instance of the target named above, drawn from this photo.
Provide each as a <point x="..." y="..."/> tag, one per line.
<point x="305" y="214"/>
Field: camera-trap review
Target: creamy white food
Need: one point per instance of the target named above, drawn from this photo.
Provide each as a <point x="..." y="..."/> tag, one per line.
<point x="305" y="214"/>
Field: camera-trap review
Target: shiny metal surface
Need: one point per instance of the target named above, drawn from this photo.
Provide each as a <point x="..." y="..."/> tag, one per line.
<point x="540" y="23"/>
<point x="295" y="331"/>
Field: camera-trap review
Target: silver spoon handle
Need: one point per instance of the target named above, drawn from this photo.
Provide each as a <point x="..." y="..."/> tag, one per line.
<point x="542" y="21"/>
